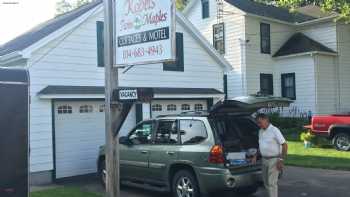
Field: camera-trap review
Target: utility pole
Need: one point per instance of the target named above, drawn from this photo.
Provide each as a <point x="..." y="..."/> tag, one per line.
<point x="113" y="109"/>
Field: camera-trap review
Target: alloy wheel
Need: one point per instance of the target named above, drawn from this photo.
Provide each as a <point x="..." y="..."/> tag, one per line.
<point x="343" y="142"/>
<point x="184" y="187"/>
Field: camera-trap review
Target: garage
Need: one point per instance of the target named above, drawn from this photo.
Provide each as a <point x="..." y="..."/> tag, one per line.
<point x="168" y="107"/>
<point x="79" y="131"/>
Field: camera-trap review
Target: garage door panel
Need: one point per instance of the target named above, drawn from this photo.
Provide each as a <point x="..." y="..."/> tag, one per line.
<point x="78" y="137"/>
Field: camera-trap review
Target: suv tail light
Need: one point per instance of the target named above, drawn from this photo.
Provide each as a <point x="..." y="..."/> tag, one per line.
<point x="216" y="155"/>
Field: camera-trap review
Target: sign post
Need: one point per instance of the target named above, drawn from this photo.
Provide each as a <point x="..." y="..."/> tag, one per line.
<point x="136" y="32"/>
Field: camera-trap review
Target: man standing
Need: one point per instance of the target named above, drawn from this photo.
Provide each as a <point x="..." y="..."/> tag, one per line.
<point x="273" y="149"/>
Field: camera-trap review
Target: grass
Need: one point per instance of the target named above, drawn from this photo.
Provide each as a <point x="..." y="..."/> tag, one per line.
<point x="325" y="156"/>
<point x="64" y="192"/>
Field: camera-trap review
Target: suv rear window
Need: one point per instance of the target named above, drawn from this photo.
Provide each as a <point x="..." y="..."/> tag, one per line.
<point x="192" y="131"/>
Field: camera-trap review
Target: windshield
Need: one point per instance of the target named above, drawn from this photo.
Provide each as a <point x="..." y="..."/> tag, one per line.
<point x="236" y="133"/>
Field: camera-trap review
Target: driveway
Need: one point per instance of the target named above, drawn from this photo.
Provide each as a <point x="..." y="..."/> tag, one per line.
<point x="296" y="182"/>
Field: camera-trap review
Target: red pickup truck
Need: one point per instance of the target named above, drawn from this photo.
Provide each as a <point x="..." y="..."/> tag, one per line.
<point x="334" y="127"/>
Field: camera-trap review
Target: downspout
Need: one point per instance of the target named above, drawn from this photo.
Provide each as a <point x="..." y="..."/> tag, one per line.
<point x="315" y="82"/>
<point x="243" y="66"/>
<point x="337" y="70"/>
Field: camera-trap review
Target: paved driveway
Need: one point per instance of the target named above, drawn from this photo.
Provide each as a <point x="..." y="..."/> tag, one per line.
<point x="296" y="182"/>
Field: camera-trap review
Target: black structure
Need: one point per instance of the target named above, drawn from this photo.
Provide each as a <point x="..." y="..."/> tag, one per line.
<point x="14" y="133"/>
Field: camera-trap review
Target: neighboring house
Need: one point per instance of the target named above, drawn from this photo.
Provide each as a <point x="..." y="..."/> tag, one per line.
<point x="302" y="57"/>
<point x="64" y="58"/>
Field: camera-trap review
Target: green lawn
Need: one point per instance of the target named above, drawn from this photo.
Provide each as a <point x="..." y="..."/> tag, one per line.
<point x="326" y="158"/>
<point x="64" y="192"/>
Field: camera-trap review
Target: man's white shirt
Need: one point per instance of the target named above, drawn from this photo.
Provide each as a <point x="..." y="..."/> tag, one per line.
<point x="270" y="141"/>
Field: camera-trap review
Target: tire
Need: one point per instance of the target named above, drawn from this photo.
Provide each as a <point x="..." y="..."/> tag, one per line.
<point x="185" y="178"/>
<point x="247" y="191"/>
<point x="341" y="141"/>
<point x="102" y="172"/>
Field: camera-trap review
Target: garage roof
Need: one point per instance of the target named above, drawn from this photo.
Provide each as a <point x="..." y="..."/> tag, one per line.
<point x="66" y="90"/>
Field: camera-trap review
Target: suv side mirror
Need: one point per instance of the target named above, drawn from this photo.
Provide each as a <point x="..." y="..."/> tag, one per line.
<point x="125" y="141"/>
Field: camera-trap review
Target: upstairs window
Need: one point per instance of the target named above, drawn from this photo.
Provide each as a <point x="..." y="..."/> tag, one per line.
<point x="219" y="37"/>
<point x="265" y="38"/>
<point x="100" y="44"/>
<point x="86" y="109"/>
<point x="288" y="86"/>
<point x="64" y="109"/>
<point x="205" y="9"/>
<point x="266" y="84"/>
<point x="178" y="65"/>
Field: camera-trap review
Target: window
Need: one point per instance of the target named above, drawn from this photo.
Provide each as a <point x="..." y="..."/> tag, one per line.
<point x="178" y="65"/>
<point x="64" y="109"/>
<point x="288" y="86"/>
<point x="86" y="109"/>
<point x="185" y="107"/>
<point x="142" y="134"/>
<point x="102" y="108"/>
<point x="205" y="9"/>
<point x="192" y="131"/>
<point x="266" y="84"/>
<point x="171" y="107"/>
<point x="167" y="132"/>
<point x="219" y="37"/>
<point x="100" y="44"/>
<point x="156" y="107"/>
<point x="265" y="38"/>
<point x="198" y="107"/>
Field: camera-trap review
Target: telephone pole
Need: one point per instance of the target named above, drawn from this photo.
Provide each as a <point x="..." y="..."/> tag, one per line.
<point x="113" y="109"/>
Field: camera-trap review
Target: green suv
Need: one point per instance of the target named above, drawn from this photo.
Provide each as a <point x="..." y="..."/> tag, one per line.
<point x="195" y="153"/>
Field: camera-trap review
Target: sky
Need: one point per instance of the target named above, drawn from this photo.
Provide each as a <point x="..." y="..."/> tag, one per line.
<point x="19" y="16"/>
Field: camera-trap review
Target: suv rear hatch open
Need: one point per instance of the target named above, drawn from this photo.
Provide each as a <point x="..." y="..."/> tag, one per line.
<point x="235" y="129"/>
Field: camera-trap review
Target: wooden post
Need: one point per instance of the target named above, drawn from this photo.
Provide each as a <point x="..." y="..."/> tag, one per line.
<point x="113" y="110"/>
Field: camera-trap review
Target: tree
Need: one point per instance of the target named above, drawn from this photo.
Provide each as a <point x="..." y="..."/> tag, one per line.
<point x="340" y="6"/>
<point x="64" y="6"/>
<point x="181" y="4"/>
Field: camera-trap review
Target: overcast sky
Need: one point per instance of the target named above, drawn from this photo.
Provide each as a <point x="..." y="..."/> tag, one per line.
<point x="19" y="16"/>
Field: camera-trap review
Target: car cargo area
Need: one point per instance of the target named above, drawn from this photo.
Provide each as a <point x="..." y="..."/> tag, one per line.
<point x="239" y="137"/>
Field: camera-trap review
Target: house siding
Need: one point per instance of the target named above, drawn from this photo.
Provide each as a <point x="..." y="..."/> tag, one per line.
<point x="344" y="66"/>
<point x="256" y="62"/>
<point x="234" y="33"/>
<point x="326" y="84"/>
<point x="304" y="70"/>
<point x="72" y="60"/>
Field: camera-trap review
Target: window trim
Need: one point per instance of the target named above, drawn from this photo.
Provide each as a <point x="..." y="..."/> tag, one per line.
<point x="224" y="38"/>
<point x="206" y="132"/>
<point x="283" y="91"/>
<point x="269" y="77"/>
<point x="205" y="15"/>
<point x="268" y="37"/>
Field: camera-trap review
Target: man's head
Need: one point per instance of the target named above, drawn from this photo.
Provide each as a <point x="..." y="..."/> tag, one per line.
<point x="263" y="121"/>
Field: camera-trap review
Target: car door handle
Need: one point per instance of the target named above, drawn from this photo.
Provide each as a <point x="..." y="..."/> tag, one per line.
<point x="170" y="153"/>
<point x="144" y="152"/>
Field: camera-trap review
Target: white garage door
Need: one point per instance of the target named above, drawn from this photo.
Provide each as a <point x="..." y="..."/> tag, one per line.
<point x="166" y="107"/>
<point x="79" y="131"/>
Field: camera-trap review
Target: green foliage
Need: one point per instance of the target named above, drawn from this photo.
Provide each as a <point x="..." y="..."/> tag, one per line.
<point x="306" y="136"/>
<point x="340" y="6"/>
<point x="181" y="4"/>
<point x="288" y="122"/>
<point x="64" y="6"/>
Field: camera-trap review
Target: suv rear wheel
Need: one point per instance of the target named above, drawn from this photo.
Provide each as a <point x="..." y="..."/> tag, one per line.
<point x="342" y="141"/>
<point x="185" y="184"/>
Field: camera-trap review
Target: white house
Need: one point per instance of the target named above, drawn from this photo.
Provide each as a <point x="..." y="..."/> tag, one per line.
<point x="304" y="55"/>
<point x="63" y="57"/>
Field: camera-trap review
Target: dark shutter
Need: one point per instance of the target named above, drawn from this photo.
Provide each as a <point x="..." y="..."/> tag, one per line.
<point x="266" y="84"/>
<point x="265" y="38"/>
<point x="100" y="44"/>
<point x="139" y="113"/>
<point x="178" y="65"/>
<point x="225" y="86"/>
<point x="288" y="86"/>
<point x="205" y="9"/>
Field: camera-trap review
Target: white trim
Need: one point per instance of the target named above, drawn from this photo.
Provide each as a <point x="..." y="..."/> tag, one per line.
<point x="13" y="83"/>
<point x="306" y="53"/>
<point x="203" y="42"/>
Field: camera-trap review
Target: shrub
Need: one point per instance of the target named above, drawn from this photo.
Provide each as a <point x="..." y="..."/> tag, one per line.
<point x="307" y="136"/>
<point x="288" y="122"/>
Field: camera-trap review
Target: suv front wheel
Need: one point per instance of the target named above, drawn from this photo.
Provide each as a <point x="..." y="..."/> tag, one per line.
<point x="185" y="184"/>
<point x="342" y="141"/>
